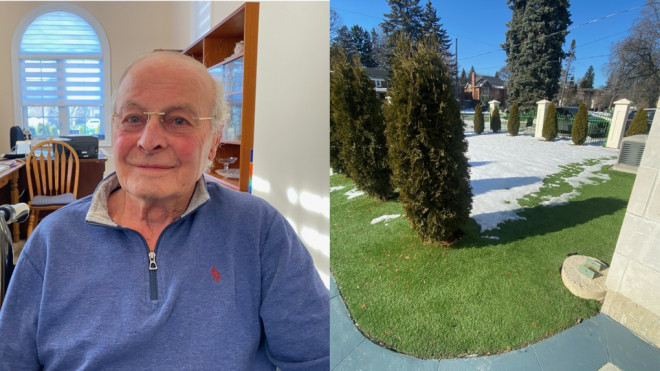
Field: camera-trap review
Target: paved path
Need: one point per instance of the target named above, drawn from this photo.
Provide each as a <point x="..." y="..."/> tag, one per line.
<point x="596" y="343"/>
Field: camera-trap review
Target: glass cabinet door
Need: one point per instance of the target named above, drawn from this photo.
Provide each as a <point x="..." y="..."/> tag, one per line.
<point x="231" y="75"/>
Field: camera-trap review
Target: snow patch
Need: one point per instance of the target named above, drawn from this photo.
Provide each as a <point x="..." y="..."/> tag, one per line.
<point x="512" y="167"/>
<point x="384" y="218"/>
<point x="354" y="193"/>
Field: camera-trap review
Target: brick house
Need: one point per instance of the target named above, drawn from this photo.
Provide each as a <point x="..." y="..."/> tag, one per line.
<point x="481" y="85"/>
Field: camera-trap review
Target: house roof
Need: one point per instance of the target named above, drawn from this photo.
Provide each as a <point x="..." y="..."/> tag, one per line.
<point x="495" y="82"/>
<point x="377" y="73"/>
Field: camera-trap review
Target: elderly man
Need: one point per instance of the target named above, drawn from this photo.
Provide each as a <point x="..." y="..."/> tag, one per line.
<point x="159" y="269"/>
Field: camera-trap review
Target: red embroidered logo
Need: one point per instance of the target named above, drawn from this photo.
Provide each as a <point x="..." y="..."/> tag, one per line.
<point x="215" y="274"/>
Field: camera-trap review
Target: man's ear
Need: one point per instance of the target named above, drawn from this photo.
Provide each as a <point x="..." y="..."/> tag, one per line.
<point x="214" y="146"/>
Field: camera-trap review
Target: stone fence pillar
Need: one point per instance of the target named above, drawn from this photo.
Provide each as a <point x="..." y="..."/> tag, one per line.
<point x="633" y="281"/>
<point x="540" y="116"/>
<point x="492" y="104"/>
<point x="618" y="124"/>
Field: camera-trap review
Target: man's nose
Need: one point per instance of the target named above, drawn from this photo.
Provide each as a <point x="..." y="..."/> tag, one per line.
<point x="153" y="136"/>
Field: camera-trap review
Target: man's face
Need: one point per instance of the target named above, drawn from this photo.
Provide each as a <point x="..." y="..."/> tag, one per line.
<point x="153" y="164"/>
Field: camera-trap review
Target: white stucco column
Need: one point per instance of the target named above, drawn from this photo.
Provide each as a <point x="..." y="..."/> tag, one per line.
<point x="492" y="104"/>
<point x="618" y="124"/>
<point x="633" y="281"/>
<point x="542" y="107"/>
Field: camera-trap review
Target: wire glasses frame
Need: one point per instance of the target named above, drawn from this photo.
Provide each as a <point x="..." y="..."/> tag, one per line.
<point x="174" y="123"/>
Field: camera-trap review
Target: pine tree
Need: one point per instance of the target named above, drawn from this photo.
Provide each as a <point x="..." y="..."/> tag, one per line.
<point x="431" y="26"/>
<point x="587" y="81"/>
<point x="427" y="143"/>
<point x="404" y="17"/>
<point x="356" y="40"/>
<point x="478" y="120"/>
<point x="495" y="121"/>
<point x="533" y="46"/>
<point x="639" y="124"/>
<point x="580" y="126"/>
<point x="463" y="80"/>
<point x="550" y="123"/>
<point x="513" y="125"/>
<point x="356" y="110"/>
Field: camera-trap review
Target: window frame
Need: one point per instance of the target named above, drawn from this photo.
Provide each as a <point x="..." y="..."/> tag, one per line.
<point x="20" y="29"/>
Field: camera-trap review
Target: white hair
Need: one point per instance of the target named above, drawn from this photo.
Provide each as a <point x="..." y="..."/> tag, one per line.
<point x="220" y="108"/>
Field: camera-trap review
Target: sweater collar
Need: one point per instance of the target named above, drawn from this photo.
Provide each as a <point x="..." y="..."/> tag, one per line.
<point x="98" y="210"/>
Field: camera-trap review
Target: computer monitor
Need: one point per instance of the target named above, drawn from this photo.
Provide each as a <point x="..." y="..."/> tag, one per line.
<point x="15" y="134"/>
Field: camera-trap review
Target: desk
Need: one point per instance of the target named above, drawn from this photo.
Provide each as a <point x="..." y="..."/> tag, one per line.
<point x="91" y="173"/>
<point x="10" y="175"/>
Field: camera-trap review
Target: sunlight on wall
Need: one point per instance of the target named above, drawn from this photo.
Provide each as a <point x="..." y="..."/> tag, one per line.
<point x="310" y="201"/>
<point x="317" y="242"/>
<point x="260" y="185"/>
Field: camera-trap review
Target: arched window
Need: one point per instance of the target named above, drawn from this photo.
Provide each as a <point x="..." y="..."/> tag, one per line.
<point x="60" y="72"/>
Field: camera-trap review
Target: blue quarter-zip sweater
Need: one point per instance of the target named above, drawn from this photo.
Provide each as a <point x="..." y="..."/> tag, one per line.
<point x="230" y="287"/>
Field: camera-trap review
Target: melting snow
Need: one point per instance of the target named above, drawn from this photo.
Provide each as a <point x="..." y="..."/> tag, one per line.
<point x="384" y="218"/>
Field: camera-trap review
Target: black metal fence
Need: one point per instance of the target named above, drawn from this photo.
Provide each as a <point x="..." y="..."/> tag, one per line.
<point x="598" y="127"/>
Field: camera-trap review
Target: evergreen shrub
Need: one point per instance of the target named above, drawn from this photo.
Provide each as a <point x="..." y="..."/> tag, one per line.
<point x="427" y="145"/>
<point x="639" y="124"/>
<point x="580" y="126"/>
<point x="478" y="120"/>
<point x="356" y="112"/>
<point x="550" y="123"/>
<point x="513" y="126"/>
<point x="495" y="121"/>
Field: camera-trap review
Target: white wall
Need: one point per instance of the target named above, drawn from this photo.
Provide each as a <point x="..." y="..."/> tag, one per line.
<point x="633" y="281"/>
<point x="291" y="134"/>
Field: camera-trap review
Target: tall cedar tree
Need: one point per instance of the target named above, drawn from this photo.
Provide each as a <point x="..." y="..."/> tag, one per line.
<point x="427" y="143"/>
<point x="533" y="46"/>
<point x="495" y="121"/>
<point x="639" y="124"/>
<point x="361" y="127"/>
<point x="478" y="120"/>
<point x="513" y="125"/>
<point x="335" y="141"/>
<point x="550" y="123"/>
<point x="580" y="125"/>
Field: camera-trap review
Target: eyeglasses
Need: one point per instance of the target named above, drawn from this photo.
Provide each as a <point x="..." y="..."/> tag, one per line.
<point x="176" y="122"/>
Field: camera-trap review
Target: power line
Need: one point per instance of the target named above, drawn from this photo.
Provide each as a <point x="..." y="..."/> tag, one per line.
<point x="569" y="29"/>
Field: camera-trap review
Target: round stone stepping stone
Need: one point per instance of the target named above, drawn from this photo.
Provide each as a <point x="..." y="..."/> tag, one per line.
<point x="573" y="274"/>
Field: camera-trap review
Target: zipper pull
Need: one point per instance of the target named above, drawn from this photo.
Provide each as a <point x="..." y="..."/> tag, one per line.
<point x="152" y="261"/>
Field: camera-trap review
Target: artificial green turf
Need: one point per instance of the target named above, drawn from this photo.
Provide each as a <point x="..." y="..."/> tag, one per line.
<point x="490" y="292"/>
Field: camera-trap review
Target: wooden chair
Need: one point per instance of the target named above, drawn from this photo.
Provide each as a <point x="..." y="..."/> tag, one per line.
<point x="52" y="170"/>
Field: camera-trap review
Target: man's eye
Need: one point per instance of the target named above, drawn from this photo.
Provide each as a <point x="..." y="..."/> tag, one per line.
<point x="133" y="119"/>
<point x="179" y="121"/>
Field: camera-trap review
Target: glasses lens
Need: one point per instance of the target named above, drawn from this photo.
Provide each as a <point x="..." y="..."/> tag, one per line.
<point x="179" y="123"/>
<point x="131" y="120"/>
<point x="176" y="122"/>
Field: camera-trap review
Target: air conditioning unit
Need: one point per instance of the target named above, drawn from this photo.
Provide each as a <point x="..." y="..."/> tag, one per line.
<point x="630" y="155"/>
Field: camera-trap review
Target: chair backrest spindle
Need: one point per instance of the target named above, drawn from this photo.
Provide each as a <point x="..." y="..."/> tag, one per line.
<point x="54" y="166"/>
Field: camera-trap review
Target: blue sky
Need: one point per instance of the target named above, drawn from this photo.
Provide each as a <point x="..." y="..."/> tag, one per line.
<point x="480" y="25"/>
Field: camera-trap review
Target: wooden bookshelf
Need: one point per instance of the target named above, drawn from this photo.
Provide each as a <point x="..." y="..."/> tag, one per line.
<point x="216" y="51"/>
